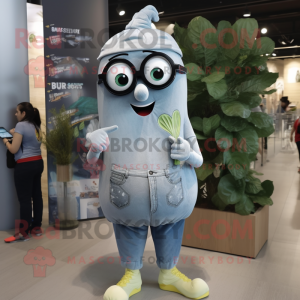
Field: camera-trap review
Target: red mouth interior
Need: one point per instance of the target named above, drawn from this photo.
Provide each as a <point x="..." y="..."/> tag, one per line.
<point x="143" y="111"/>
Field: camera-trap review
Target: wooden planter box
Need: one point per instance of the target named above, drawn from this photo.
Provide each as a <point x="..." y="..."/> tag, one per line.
<point x="227" y="231"/>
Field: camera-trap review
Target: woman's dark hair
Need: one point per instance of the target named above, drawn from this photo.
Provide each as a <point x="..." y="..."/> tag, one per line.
<point x="32" y="114"/>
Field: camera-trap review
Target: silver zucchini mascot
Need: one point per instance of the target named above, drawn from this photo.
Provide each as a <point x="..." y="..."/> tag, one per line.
<point x="149" y="150"/>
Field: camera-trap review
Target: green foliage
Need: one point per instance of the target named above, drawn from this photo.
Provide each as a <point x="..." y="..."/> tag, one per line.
<point x="227" y="72"/>
<point x="60" y="139"/>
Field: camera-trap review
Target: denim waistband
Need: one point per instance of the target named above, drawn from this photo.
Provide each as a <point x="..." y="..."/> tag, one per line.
<point x="144" y="173"/>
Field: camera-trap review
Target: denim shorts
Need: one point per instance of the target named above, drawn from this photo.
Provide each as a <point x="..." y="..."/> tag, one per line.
<point x="149" y="197"/>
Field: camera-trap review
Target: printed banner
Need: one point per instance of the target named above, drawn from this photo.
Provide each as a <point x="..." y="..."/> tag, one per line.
<point x="74" y="32"/>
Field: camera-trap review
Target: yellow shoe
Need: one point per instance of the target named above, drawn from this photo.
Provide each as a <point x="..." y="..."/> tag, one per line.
<point x="174" y="281"/>
<point x="129" y="285"/>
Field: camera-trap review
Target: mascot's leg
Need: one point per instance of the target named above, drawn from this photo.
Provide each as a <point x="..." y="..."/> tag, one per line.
<point x="131" y="244"/>
<point x="167" y="240"/>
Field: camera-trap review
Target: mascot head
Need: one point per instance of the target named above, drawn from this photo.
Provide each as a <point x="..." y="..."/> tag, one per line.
<point x="141" y="70"/>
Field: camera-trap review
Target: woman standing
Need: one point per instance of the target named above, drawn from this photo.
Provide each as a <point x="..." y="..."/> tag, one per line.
<point x="297" y="137"/>
<point x="26" y="146"/>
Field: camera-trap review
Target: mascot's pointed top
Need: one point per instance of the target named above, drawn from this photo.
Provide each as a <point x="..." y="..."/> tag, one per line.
<point x="143" y="18"/>
<point x="139" y="35"/>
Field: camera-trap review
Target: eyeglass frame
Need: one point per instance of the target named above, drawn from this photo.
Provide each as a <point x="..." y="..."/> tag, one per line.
<point x="140" y="73"/>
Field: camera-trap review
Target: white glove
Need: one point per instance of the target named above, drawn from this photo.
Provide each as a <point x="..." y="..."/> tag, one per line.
<point x="182" y="151"/>
<point x="99" y="142"/>
<point x="94" y="125"/>
<point x="180" y="148"/>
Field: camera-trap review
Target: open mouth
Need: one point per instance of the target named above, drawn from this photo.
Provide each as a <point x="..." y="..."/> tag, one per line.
<point x="143" y="110"/>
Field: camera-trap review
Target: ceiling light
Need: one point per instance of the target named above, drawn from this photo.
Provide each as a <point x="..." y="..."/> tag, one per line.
<point x="264" y="30"/>
<point x="292" y="40"/>
<point x="120" y="10"/>
<point x="274" y="54"/>
<point x="283" y="42"/>
<point x="247" y="13"/>
<point x="162" y="12"/>
<point x="267" y="54"/>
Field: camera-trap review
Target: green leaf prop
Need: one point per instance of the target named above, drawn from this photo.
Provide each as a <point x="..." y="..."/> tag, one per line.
<point x="171" y="125"/>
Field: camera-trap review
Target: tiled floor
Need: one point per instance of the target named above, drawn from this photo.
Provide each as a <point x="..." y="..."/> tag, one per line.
<point x="76" y="274"/>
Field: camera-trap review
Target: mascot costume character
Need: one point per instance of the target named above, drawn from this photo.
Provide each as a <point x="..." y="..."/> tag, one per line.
<point x="149" y="151"/>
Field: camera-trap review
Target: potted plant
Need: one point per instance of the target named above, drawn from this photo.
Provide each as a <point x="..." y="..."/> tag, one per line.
<point x="58" y="142"/>
<point x="227" y="72"/>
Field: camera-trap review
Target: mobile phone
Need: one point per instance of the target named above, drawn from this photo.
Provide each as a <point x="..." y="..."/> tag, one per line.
<point x="4" y="134"/>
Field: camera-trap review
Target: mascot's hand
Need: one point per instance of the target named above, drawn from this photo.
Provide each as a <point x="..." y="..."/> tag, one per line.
<point x="180" y="148"/>
<point x="99" y="142"/>
<point x="183" y="151"/>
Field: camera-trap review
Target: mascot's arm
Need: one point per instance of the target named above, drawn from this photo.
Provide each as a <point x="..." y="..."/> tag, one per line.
<point x="99" y="142"/>
<point x="195" y="159"/>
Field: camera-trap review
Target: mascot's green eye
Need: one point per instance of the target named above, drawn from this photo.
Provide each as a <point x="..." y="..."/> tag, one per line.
<point x="121" y="79"/>
<point x="157" y="74"/>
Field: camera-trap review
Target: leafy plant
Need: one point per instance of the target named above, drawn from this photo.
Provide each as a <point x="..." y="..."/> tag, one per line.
<point x="60" y="139"/>
<point x="171" y="125"/>
<point x="226" y="73"/>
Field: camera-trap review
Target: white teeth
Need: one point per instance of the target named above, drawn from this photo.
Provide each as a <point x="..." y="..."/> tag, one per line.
<point x="142" y="105"/>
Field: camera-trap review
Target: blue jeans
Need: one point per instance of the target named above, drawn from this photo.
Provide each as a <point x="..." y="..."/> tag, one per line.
<point x="167" y="241"/>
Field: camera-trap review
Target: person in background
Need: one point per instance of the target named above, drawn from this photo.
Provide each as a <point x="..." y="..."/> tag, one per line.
<point x="297" y="137"/>
<point x="26" y="146"/>
<point x="284" y="105"/>
<point x="263" y="106"/>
